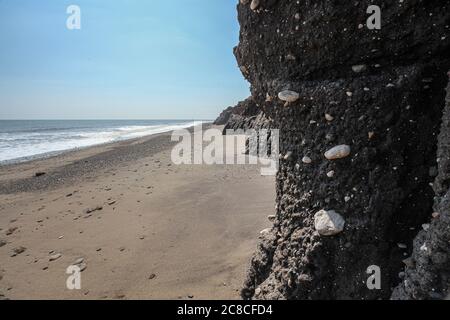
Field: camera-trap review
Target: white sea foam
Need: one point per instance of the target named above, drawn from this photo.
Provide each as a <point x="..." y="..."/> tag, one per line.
<point x="20" y="146"/>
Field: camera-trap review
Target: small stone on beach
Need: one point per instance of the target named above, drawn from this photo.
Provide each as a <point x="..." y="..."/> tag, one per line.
<point x="55" y="256"/>
<point x="18" y="250"/>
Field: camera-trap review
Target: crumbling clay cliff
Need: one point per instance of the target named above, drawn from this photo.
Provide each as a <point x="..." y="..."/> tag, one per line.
<point x="360" y="112"/>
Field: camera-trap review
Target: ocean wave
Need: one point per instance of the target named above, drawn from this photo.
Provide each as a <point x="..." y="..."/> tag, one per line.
<point x="25" y="145"/>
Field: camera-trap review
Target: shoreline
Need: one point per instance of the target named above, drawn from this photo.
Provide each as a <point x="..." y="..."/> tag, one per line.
<point x="144" y="227"/>
<point x="51" y="154"/>
<point x="69" y="161"/>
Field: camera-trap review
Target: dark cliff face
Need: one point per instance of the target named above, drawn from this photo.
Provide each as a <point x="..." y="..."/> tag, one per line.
<point x="428" y="274"/>
<point x="224" y="116"/>
<point x="379" y="92"/>
<point x="245" y="115"/>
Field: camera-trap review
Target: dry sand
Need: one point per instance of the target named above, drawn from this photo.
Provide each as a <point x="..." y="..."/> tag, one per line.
<point x="164" y="231"/>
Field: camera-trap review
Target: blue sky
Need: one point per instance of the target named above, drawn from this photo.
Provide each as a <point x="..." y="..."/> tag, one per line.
<point x="132" y="59"/>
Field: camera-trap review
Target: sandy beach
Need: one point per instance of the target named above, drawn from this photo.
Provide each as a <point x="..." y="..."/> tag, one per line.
<point x="143" y="227"/>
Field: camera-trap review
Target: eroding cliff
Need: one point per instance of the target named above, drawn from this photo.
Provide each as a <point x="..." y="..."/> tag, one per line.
<point x="245" y="115"/>
<point x="379" y="92"/>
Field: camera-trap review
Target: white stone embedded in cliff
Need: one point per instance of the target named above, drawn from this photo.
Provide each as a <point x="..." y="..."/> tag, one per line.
<point x="288" y="155"/>
<point x="307" y="160"/>
<point x="338" y="152"/>
<point x="328" y="223"/>
<point x="359" y="68"/>
<point x="288" y="96"/>
<point x="254" y="5"/>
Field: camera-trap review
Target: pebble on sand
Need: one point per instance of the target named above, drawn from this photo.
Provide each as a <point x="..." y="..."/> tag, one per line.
<point x="90" y="210"/>
<point x="328" y="223"/>
<point x="55" y="256"/>
<point x="338" y="152"/>
<point x="17" y="251"/>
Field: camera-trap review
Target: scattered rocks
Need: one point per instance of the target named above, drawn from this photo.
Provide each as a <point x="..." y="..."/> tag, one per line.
<point x="330" y="174"/>
<point x="90" y="210"/>
<point x="329" y="117"/>
<point x="271" y="217"/>
<point x="288" y="96"/>
<point x="11" y="230"/>
<point x="18" y="250"/>
<point x="2" y="243"/>
<point x="152" y="276"/>
<point x="328" y="223"/>
<point x="338" y="152"/>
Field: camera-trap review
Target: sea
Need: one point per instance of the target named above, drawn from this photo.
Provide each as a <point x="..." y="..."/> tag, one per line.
<point x="24" y="140"/>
